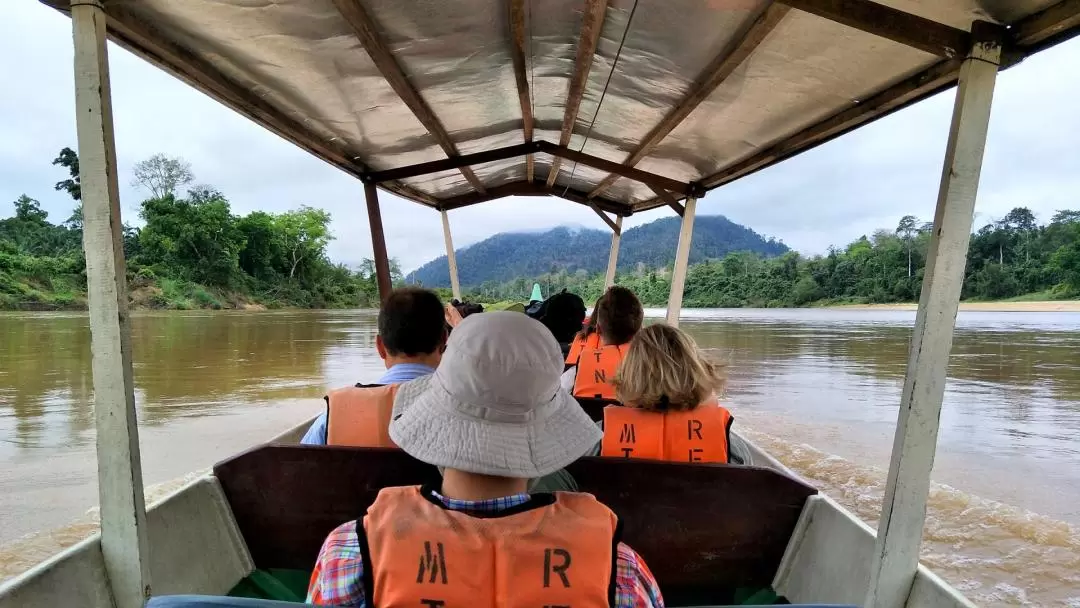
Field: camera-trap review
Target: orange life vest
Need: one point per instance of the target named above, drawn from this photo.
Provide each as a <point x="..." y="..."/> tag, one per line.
<point x="699" y="435"/>
<point x="579" y="345"/>
<point x="556" y="550"/>
<point x="596" y="366"/>
<point x="359" y="416"/>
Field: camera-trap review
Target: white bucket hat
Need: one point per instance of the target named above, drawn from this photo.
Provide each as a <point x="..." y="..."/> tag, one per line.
<point x="494" y="405"/>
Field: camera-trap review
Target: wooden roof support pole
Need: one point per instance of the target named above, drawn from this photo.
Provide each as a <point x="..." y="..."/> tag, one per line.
<point x="451" y="257"/>
<point x="613" y="256"/>
<point x="120" y="483"/>
<point x="682" y="262"/>
<point x="364" y="28"/>
<point x="517" y="54"/>
<point x="707" y="82"/>
<point x="903" y="512"/>
<point x="592" y="23"/>
<point x="378" y="241"/>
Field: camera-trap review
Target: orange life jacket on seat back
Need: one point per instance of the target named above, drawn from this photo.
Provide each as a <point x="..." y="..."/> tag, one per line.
<point x="596" y="366"/>
<point x="359" y="416"/>
<point x="556" y="550"/>
<point x="699" y="435"/>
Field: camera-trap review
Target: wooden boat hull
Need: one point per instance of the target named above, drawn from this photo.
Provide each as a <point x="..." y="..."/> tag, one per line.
<point x="271" y="507"/>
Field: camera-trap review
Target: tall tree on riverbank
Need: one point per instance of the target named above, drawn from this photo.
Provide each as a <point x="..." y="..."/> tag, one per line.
<point x="906" y="230"/>
<point x="162" y="175"/>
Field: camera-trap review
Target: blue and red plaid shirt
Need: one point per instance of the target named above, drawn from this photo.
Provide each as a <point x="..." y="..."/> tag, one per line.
<point x="338" y="579"/>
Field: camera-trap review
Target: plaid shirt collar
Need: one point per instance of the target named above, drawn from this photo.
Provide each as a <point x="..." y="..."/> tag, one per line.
<point x="490" y="505"/>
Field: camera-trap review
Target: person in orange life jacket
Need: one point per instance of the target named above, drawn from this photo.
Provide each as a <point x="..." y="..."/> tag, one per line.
<point x="594" y="357"/>
<point x="492" y="416"/>
<point x="412" y="334"/>
<point x="669" y="410"/>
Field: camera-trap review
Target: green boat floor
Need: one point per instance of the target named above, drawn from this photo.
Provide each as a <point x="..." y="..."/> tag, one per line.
<point x="286" y="585"/>
<point x="279" y="584"/>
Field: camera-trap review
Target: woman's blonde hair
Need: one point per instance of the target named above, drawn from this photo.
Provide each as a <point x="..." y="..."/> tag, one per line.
<point x="664" y="370"/>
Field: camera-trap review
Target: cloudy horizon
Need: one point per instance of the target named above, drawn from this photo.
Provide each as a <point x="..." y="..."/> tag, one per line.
<point x="830" y="196"/>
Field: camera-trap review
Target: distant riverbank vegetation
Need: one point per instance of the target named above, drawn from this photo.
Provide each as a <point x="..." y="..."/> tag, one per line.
<point x="1011" y="258"/>
<point x="191" y="251"/>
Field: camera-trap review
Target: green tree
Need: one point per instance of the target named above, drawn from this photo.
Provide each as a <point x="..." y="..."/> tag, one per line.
<point x="305" y="233"/>
<point x="262" y="254"/>
<point x="70" y="161"/>
<point x="906" y="230"/>
<point x="29" y="211"/>
<point x="195" y="238"/>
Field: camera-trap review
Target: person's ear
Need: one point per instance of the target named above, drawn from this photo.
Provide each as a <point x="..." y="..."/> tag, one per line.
<point x="380" y="347"/>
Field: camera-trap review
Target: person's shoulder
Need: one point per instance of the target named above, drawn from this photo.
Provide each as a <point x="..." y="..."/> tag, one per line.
<point x="341" y="543"/>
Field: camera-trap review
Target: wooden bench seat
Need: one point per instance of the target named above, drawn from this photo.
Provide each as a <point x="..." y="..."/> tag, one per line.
<point x="703" y="529"/>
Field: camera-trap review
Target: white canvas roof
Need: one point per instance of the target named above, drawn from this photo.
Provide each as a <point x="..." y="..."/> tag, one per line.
<point x="702" y="92"/>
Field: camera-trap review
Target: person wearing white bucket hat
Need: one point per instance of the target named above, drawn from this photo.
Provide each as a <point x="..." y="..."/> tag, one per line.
<point x="493" y="416"/>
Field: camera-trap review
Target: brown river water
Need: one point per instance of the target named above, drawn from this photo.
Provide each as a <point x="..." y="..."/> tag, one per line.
<point x="817" y="388"/>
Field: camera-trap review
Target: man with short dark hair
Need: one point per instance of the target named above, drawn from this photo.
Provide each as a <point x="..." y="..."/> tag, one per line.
<point x="412" y="333"/>
<point x="595" y="356"/>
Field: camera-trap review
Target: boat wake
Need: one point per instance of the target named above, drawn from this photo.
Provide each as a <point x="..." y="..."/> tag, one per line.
<point x="996" y="554"/>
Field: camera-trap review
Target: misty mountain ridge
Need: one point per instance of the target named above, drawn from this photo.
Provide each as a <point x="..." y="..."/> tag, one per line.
<point x="509" y="255"/>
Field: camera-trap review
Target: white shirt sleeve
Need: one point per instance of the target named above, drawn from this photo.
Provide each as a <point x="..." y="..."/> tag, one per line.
<point x="568" y="378"/>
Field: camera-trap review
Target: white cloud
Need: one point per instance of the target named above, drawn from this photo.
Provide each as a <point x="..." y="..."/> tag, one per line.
<point x="849" y="187"/>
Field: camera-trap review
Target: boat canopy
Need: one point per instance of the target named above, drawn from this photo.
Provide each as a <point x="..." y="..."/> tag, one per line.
<point x="568" y="97"/>
<point x="605" y="103"/>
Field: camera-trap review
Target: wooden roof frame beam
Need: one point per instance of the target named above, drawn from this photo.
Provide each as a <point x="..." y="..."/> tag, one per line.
<point x="651" y="179"/>
<point x="592" y="24"/>
<point x="449" y="164"/>
<point x="364" y="28"/>
<point x="535" y="188"/>
<point x="607" y="220"/>
<point x="517" y="55"/>
<point x="707" y="82"/>
<point x="665" y="196"/>
<point x="911" y="30"/>
<point x="1048" y="27"/>
<point x="938" y="77"/>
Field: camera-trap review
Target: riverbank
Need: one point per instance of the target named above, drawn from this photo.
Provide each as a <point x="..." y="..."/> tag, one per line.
<point x="1004" y="306"/>
<point x="149" y="292"/>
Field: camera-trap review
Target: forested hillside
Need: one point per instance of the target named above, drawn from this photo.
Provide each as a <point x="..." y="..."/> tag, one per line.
<point x="507" y="256"/>
<point x="190" y="252"/>
<point x="1014" y="257"/>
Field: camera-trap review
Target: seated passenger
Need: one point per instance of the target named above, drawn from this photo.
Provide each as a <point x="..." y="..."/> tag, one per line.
<point x="563" y="315"/>
<point x="595" y="356"/>
<point x="411" y="337"/>
<point x="492" y="416"/>
<point x="669" y="394"/>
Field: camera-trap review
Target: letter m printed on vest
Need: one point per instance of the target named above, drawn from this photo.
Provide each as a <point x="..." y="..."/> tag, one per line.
<point x="627" y="436"/>
<point x="432" y="564"/>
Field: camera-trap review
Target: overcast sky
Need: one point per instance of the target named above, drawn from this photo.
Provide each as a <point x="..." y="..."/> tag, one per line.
<point x="829" y="196"/>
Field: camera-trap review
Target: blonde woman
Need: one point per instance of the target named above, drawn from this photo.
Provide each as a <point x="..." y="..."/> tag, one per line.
<point x="670" y="410"/>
